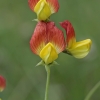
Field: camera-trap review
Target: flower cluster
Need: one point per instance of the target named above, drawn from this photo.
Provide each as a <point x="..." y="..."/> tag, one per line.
<point x="48" y="41"/>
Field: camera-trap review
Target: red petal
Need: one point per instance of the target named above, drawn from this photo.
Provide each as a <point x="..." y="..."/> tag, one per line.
<point x="45" y="33"/>
<point x="56" y="37"/>
<point x="54" y="5"/>
<point x="32" y="3"/>
<point x="70" y="33"/>
<point x="2" y="83"/>
<point x="38" y="39"/>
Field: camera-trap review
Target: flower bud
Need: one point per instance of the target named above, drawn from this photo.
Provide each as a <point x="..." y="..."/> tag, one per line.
<point x="2" y="83"/>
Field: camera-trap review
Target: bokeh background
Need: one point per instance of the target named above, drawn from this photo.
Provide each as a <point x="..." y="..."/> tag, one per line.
<point x="73" y="78"/>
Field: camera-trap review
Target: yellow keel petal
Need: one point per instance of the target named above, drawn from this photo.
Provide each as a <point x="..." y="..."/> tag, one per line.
<point x="80" y="49"/>
<point x="42" y="10"/>
<point x="48" y="53"/>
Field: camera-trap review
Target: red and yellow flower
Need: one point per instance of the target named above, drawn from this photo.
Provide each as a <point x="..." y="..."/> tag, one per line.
<point x="44" y="8"/>
<point x="2" y="83"/>
<point x="47" y="41"/>
<point x="77" y="49"/>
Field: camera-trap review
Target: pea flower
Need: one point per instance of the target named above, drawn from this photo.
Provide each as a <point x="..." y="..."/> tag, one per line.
<point x="47" y="41"/>
<point x="44" y="8"/>
<point x="77" y="49"/>
<point x="2" y="83"/>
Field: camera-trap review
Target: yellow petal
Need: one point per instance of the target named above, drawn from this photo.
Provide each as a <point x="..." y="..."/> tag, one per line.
<point x="80" y="49"/>
<point x="48" y="53"/>
<point x="43" y="10"/>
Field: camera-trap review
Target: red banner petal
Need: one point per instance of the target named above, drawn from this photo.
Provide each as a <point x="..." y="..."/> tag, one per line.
<point x="38" y="39"/>
<point x="32" y="3"/>
<point x="70" y="33"/>
<point x="45" y="33"/>
<point x="56" y="37"/>
<point x="54" y="5"/>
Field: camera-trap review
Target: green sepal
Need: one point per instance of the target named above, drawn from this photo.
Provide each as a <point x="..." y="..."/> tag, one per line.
<point x="40" y="63"/>
<point x="67" y="52"/>
<point x="43" y="63"/>
<point x="35" y="20"/>
<point x="53" y="63"/>
<point x="47" y="20"/>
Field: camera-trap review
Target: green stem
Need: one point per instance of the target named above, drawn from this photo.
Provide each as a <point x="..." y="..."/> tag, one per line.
<point x="92" y="91"/>
<point x="47" y="82"/>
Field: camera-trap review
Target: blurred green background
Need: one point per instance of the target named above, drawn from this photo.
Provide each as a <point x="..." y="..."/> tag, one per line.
<point x="73" y="78"/>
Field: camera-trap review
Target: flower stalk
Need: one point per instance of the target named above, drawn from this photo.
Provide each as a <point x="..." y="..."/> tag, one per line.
<point x="47" y="82"/>
<point x="92" y="91"/>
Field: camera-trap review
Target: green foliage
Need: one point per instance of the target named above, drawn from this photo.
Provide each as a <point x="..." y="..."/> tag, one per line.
<point x="73" y="78"/>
